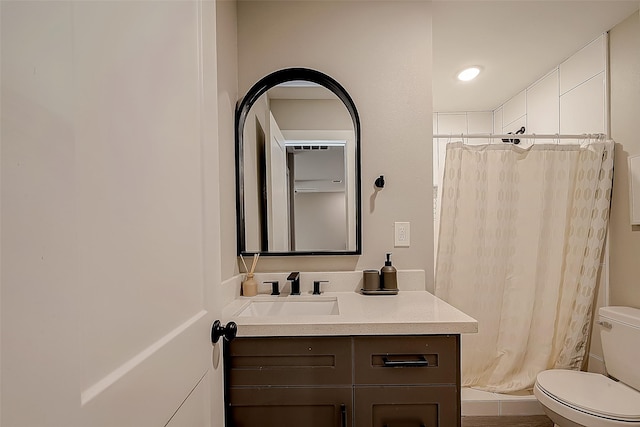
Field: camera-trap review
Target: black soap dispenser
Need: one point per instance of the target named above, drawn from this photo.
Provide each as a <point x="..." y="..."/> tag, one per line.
<point x="389" y="276"/>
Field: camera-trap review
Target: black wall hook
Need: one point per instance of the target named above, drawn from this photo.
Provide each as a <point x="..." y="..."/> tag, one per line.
<point x="380" y="181"/>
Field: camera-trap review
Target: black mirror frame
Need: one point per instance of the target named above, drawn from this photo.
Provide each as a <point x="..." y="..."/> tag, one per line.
<point x="242" y="110"/>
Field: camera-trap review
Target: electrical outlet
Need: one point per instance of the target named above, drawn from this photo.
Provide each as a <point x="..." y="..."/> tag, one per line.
<point x="402" y="234"/>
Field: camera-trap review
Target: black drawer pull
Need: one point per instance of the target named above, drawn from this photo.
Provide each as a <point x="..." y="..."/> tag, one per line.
<point x="387" y="425"/>
<point x="405" y="363"/>
<point x="343" y="415"/>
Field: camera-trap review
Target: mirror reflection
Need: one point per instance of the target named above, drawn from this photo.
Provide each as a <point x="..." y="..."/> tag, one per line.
<point x="300" y="173"/>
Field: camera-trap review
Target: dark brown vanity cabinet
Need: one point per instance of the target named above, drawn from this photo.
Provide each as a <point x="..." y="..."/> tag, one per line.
<point x="361" y="381"/>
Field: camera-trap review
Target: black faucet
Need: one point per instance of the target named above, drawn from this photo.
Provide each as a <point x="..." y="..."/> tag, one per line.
<point x="316" y="286"/>
<point x="275" y="289"/>
<point x="294" y="278"/>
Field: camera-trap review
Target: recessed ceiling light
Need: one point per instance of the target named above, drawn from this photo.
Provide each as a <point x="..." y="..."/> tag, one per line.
<point x="468" y="74"/>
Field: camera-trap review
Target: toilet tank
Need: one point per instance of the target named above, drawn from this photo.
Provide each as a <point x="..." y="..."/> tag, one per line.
<point x="620" y="332"/>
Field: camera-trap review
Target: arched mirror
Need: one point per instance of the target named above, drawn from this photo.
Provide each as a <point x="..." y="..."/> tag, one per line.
<point x="298" y="166"/>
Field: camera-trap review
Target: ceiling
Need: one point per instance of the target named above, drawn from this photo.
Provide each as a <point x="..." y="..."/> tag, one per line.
<point x="514" y="42"/>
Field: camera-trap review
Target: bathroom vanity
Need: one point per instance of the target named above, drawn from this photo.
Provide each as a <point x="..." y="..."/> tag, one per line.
<point x="372" y="361"/>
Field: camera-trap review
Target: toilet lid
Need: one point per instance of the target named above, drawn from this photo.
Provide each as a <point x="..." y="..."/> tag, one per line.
<point x="592" y="393"/>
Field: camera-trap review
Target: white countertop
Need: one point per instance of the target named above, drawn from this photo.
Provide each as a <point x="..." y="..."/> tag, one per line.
<point x="407" y="313"/>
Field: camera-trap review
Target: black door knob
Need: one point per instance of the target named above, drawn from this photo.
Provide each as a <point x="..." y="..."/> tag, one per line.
<point x="228" y="331"/>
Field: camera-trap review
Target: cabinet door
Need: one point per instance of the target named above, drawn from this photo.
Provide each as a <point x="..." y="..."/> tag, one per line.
<point x="288" y="361"/>
<point x="400" y="406"/>
<point x="289" y="407"/>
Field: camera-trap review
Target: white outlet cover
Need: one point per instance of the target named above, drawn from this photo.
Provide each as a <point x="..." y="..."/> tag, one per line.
<point x="402" y="233"/>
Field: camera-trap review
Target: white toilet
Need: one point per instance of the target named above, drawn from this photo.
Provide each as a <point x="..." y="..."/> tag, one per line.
<point x="574" y="399"/>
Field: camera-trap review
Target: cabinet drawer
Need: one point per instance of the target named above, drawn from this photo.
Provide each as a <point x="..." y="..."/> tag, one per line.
<point x="289" y="407"/>
<point x="289" y="361"/>
<point x="406" y="360"/>
<point x="413" y="406"/>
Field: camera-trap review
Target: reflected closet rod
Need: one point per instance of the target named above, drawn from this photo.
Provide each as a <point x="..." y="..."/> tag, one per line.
<point x="519" y="136"/>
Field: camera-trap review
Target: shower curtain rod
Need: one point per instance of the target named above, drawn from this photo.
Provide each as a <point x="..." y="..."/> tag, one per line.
<point x="520" y="136"/>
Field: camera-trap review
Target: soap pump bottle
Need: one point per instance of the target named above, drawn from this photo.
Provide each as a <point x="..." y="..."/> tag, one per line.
<point x="388" y="275"/>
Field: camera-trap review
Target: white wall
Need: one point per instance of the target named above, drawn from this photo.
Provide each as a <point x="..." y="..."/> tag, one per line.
<point x="227" y="67"/>
<point x="625" y="130"/>
<point x="457" y="124"/>
<point x="570" y="99"/>
<point x="310" y="114"/>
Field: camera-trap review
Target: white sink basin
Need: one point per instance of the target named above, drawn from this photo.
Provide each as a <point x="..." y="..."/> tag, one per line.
<point x="291" y="306"/>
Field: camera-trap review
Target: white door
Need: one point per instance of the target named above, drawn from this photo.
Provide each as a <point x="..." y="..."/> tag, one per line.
<point x="110" y="214"/>
<point x="278" y="190"/>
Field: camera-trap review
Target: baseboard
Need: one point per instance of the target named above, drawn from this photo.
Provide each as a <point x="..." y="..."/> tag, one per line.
<point x="507" y="421"/>
<point x="477" y="403"/>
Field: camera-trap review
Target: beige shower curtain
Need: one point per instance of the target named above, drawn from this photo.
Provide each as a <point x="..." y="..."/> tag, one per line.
<point x="522" y="232"/>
